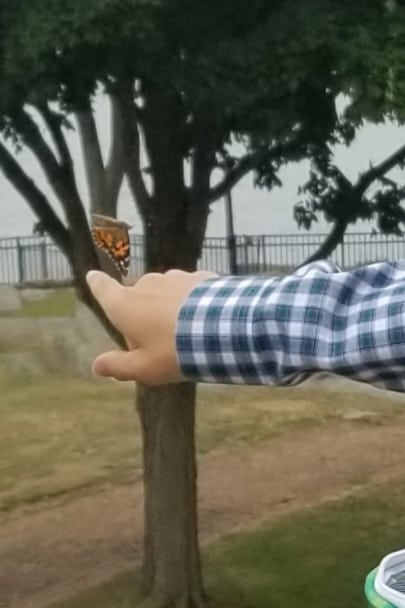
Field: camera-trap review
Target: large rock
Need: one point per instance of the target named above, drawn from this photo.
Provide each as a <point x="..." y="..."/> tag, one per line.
<point x="21" y="363"/>
<point x="53" y="344"/>
<point x="333" y="382"/>
<point x="35" y="294"/>
<point x="9" y="298"/>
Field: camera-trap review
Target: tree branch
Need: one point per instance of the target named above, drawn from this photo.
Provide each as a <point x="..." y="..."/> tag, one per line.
<point x="131" y="141"/>
<point x="75" y="244"/>
<point x="58" y="176"/>
<point x="351" y="199"/>
<point x="114" y="171"/>
<point x="53" y="121"/>
<point x="202" y="161"/>
<point x="61" y="178"/>
<point x="36" y="200"/>
<point x="330" y="243"/>
<point x="244" y="165"/>
<point x="93" y="160"/>
<point x="32" y="137"/>
<point x="367" y="178"/>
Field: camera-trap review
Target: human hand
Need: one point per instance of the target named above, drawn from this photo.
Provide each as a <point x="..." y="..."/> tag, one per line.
<point x="146" y="314"/>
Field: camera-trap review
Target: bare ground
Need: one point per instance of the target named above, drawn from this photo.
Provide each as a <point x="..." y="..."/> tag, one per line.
<point x="49" y="554"/>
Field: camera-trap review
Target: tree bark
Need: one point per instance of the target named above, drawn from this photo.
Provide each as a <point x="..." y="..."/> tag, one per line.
<point x="92" y="157"/>
<point x="171" y="568"/>
<point x="104" y="180"/>
<point x="114" y="169"/>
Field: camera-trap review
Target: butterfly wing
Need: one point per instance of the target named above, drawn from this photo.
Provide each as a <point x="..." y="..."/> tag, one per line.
<point x="114" y="241"/>
<point x="105" y="221"/>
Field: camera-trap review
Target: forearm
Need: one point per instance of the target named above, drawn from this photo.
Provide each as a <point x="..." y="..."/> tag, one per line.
<point x="276" y="331"/>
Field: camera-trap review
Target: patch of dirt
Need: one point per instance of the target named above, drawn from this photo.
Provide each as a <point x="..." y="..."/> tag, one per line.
<point x="52" y="553"/>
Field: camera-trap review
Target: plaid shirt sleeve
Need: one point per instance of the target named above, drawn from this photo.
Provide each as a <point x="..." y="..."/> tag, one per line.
<point x="279" y="330"/>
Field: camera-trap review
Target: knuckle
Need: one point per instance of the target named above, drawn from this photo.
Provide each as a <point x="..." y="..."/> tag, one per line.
<point x="175" y="272"/>
<point x="148" y="279"/>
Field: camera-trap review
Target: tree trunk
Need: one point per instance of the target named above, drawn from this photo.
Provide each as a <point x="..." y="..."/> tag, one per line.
<point x="172" y="571"/>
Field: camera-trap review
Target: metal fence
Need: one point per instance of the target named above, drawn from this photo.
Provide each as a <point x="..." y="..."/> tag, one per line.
<point x="35" y="259"/>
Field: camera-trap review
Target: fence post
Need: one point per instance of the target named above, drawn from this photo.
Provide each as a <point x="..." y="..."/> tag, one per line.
<point x="230" y="235"/>
<point x="263" y="241"/>
<point x="246" y="255"/>
<point x="44" y="259"/>
<point x="343" y="252"/>
<point x="20" y="261"/>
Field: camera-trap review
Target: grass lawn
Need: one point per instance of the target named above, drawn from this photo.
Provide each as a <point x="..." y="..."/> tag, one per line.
<point x="58" y="303"/>
<point x="317" y="558"/>
<point x="61" y="434"/>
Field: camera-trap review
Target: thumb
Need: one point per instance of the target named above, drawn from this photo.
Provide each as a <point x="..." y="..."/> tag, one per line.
<point x="121" y="365"/>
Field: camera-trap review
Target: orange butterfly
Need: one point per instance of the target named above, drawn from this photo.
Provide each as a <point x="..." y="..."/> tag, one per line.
<point x="111" y="236"/>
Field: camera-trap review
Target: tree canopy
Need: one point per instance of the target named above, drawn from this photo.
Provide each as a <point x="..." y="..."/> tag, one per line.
<point x="266" y="75"/>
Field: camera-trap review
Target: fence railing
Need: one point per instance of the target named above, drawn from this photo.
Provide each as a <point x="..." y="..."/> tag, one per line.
<point x="37" y="259"/>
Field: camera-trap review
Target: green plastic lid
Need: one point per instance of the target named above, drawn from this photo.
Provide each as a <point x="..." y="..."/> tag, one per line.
<point x="374" y="600"/>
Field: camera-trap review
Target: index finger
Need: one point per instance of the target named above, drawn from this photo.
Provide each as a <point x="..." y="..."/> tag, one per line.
<point x="110" y="295"/>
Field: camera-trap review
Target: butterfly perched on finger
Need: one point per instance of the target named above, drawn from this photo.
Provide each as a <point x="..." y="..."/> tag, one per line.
<point x="112" y="237"/>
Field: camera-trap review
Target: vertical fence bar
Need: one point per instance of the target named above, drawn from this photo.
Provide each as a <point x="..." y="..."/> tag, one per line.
<point x="20" y="261"/>
<point x="245" y="254"/>
<point x="263" y="241"/>
<point x="44" y="260"/>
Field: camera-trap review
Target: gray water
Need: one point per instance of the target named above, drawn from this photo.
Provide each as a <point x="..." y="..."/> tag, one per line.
<point x="256" y="211"/>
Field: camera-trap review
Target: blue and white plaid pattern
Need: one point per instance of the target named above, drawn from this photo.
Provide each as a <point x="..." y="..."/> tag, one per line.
<point x="277" y="331"/>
